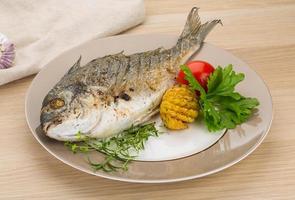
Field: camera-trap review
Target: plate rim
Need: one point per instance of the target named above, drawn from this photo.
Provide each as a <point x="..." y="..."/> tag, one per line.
<point x="132" y="180"/>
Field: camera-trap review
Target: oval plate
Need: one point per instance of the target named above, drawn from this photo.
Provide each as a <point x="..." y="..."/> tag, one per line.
<point x="235" y="145"/>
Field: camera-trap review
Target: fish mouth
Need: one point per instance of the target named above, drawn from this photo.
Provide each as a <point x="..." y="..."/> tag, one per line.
<point x="69" y="137"/>
<point x="48" y="120"/>
<point x="47" y="125"/>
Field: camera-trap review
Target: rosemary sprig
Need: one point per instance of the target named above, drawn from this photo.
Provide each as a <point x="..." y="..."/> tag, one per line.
<point x="119" y="150"/>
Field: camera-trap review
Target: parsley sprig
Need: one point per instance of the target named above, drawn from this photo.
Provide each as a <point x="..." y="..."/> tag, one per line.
<point x="118" y="150"/>
<point x="221" y="105"/>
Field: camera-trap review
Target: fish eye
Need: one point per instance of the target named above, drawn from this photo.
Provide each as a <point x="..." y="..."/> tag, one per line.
<point x="57" y="103"/>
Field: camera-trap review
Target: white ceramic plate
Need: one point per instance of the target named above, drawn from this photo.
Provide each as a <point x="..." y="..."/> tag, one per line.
<point x="188" y="154"/>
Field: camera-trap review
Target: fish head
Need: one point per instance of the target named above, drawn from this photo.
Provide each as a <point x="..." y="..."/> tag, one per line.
<point x="68" y="110"/>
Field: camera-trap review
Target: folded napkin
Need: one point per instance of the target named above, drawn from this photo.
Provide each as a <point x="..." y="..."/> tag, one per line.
<point x="41" y="30"/>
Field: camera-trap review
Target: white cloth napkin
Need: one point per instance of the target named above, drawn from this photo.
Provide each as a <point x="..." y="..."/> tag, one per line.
<point x="41" y="30"/>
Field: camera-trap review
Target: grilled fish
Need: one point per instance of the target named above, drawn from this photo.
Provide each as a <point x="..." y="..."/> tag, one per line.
<point x="112" y="93"/>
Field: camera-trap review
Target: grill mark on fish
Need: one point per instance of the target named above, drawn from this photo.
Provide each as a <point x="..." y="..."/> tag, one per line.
<point x="112" y="71"/>
<point x="140" y="67"/>
<point x="121" y="68"/>
<point x="132" y="75"/>
<point x="127" y="69"/>
<point x="155" y="60"/>
<point x="124" y="72"/>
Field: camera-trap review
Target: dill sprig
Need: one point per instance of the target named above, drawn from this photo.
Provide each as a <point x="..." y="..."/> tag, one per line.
<point x="119" y="150"/>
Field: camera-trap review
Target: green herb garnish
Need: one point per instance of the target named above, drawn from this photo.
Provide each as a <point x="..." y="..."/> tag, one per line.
<point x="119" y="150"/>
<point x="222" y="107"/>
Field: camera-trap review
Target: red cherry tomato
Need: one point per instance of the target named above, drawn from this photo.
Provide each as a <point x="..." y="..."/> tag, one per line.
<point x="201" y="71"/>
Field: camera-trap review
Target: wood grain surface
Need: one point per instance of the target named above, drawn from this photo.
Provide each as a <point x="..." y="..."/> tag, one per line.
<point x="262" y="33"/>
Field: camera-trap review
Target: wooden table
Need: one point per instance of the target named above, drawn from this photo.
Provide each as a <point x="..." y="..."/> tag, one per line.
<point x="260" y="32"/>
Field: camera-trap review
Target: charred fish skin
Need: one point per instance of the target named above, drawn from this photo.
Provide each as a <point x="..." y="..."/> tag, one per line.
<point x="111" y="93"/>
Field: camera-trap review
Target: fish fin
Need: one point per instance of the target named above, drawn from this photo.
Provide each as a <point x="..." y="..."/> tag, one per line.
<point x="75" y="66"/>
<point x="193" y="28"/>
<point x="159" y="50"/>
<point x="121" y="52"/>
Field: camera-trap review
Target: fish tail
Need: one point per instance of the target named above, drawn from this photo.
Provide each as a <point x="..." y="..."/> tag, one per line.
<point x="192" y="36"/>
<point x="193" y="28"/>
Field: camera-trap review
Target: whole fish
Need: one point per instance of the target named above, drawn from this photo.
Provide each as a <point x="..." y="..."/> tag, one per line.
<point x="112" y="93"/>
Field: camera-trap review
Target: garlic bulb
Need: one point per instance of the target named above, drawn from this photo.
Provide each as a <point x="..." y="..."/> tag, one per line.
<point x="7" y="52"/>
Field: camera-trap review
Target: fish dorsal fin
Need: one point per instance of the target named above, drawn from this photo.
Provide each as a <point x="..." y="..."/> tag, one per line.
<point x="159" y="50"/>
<point x="116" y="55"/>
<point x="121" y="53"/>
<point x="75" y="66"/>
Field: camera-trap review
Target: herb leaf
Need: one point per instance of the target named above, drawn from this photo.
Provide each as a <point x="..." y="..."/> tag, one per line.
<point x="221" y="106"/>
<point x="222" y="82"/>
<point x="193" y="83"/>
